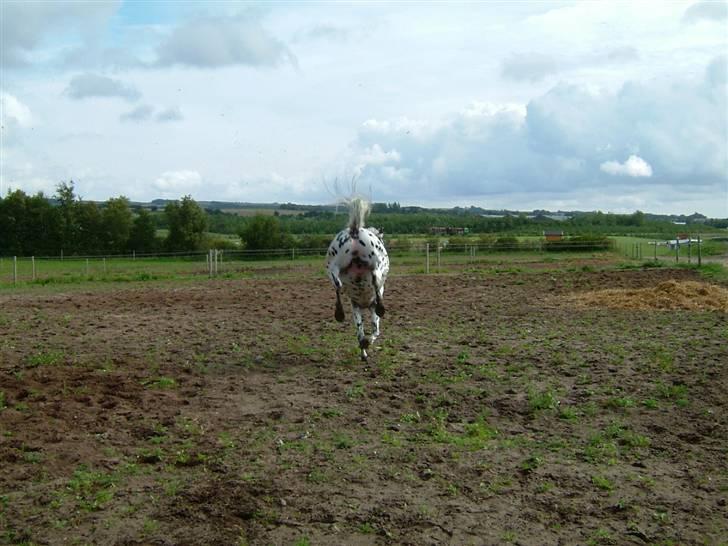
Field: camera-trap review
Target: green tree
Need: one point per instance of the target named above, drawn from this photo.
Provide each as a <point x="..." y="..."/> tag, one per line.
<point x="187" y="224"/>
<point x="12" y="216"/>
<point x="43" y="227"/>
<point x="117" y="223"/>
<point x="90" y="228"/>
<point x="263" y="233"/>
<point x="143" y="236"/>
<point x="69" y="210"/>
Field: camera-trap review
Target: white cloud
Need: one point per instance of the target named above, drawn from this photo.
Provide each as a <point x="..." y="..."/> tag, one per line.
<point x="84" y="86"/>
<point x="26" y="27"/>
<point x="707" y="10"/>
<point x="141" y="113"/>
<point x="376" y="156"/>
<point x="562" y="141"/>
<point x="169" y="114"/>
<point x="213" y="42"/>
<point x="529" y="67"/>
<point x="635" y="166"/>
<point x="177" y="183"/>
<point x="717" y="72"/>
<point x="15" y="116"/>
<point x="14" y="112"/>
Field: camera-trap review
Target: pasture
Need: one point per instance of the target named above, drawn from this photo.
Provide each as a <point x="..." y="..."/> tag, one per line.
<point x="236" y="410"/>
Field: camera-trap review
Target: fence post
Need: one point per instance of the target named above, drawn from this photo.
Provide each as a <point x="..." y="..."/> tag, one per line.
<point x="655" y="251"/>
<point x="427" y="258"/>
<point x="32" y="260"/>
<point x="700" y="253"/>
<point x="87" y="267"/>
<point x="133" y="255"/>
<point x="293" y="254"/>
<point x="439" y="248"/>
<point x="208" y="258"/>
<point x="15" y="270"/>
<point x="677" y="250"/>
<point x="216" y="261"/>
<point x="690" y="249"/>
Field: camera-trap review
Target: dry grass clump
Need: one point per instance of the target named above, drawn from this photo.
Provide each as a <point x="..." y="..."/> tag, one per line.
<point x="671" y="294"/>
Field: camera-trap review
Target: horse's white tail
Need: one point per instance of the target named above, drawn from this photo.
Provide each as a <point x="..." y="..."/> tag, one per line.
<point x="358" y="211"/>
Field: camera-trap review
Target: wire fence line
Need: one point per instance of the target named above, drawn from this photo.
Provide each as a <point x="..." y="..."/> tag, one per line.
<point x="149" y="266"/>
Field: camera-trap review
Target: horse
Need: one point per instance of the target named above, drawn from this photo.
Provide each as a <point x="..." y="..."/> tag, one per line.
<point x="357" y="264"/>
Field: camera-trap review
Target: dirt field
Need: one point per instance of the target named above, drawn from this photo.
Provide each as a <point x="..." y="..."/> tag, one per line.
<point x="237" y="412"/>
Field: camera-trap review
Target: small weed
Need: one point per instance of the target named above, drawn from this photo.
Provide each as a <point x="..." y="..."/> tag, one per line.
<point x="673" y="392"/>
<point x="226" y="440"/>
<point x="568" y="413"/>
<point x="92" y="489"/>
<point x="620" y="403"/>
<point x="153" y="455"/>
<point x="317" y="476"/>
<point x="355" y="391"/>
<point x="150" y="526"/>
<point x="366" y="528"/>
<point x="602" y="483"/>
<point x="531" y="464"/>
<point x="601" y="536"/>
<point x="343" y="441"/>
<point x="545" y="487"/>
<point x="160" y="383"/>
<point x="46" y="358"/>
<point x="411" y="417"/>
<point x="331" y="412"/>
<point x="542" y="400"/>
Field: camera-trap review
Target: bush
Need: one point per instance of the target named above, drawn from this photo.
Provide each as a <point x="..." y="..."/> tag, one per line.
<point x="506" y="243"/>
<point x="311" y="241"/>
<point x="579" y="243"/>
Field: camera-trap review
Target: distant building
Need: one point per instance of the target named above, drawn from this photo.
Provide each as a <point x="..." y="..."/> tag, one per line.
<point x="449" y="230"/>
<point x="553" y="235"/>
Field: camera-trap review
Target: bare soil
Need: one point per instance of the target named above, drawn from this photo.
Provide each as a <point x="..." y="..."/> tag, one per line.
<point x="493" y="410"/>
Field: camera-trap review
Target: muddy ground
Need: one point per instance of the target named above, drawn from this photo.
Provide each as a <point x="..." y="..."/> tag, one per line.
<point x="237" y="411"/>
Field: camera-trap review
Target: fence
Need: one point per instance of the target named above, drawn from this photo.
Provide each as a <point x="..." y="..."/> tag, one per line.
<point x="418" y="257"/>
<point x="421" y="257"/>
<point x="690" y="250"/>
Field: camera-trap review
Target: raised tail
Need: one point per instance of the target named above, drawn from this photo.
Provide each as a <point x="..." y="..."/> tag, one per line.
<point x="358" y="211"/>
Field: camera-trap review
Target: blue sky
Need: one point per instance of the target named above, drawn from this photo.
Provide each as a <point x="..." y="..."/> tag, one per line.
<point x="612" y="106"/>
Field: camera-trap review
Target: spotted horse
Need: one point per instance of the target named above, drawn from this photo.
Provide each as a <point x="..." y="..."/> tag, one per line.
<point x="357" y="264"/>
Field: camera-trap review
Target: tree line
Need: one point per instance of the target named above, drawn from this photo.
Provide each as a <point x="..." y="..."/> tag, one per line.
<point x="64" y="223"/>
<point x="34" y="225"/>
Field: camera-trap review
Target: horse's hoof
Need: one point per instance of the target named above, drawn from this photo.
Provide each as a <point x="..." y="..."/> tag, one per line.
<point x="379" y="309"/>
<point x="364" y="356"/>
<point x="339" y="314"/>
<point x="364" y="343"/>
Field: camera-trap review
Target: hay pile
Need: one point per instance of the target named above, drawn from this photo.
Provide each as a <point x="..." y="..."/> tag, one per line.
<point x="672" y="294"/>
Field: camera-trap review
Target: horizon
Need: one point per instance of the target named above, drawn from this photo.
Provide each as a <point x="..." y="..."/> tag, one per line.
<point x="571" y="106"/>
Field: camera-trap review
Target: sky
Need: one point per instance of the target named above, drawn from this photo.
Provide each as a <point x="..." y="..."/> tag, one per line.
<point x="612" y="106"/>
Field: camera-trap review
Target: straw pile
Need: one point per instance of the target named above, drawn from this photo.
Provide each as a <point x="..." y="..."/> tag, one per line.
<point x="672" y="294"/>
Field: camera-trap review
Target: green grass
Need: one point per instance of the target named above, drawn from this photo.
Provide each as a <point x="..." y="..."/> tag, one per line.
<point x="45" y="358"/>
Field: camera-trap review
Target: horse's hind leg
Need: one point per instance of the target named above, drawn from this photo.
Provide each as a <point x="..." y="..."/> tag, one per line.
<point x="378" y="304"/>
<point x="364" y="341"/>
<point x="339" y="311"/>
